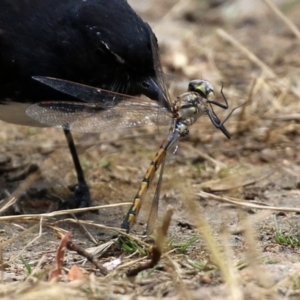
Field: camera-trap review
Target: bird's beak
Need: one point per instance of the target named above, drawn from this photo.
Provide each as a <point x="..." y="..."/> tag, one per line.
<point x="150" y="88"/>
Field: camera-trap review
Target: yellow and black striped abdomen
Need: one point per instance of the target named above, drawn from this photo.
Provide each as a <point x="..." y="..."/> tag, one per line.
<point x="130" y="218"/>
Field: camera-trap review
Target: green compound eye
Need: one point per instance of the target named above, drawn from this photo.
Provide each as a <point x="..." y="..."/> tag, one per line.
<point x="203" y="88"/>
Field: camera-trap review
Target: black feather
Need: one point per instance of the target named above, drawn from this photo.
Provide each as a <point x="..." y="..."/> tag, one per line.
<point x="101" y="43"/>
<point x="95" y="42"/>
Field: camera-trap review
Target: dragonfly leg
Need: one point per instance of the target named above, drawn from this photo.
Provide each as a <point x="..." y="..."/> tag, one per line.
<point x="213" y="117"/>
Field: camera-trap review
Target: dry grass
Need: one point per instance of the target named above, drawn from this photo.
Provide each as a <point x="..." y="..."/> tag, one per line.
<point x="230" y="243"/>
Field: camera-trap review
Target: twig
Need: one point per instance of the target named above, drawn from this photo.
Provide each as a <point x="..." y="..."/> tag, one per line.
<point x="157" y="249"/>
<point x="58" y="213"/>
<point x="73" y="247"/>
<point x="22" y="187"/>
<point x="247" y="204"/>
<point x="281" y="16"/>
<point x="86" y="230"/>
<point x="251" y="56"/>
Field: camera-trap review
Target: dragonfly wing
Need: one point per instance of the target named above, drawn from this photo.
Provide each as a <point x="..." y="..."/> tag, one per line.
<point x="91" y="117"/>
<point x="165" y="101"/>
<point x="60" y="114"/>
<point x="152" y="218"/>
<point x="86" y="93"/>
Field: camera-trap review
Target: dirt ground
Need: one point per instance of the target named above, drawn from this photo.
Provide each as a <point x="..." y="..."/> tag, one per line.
<point x="235" y="232"/>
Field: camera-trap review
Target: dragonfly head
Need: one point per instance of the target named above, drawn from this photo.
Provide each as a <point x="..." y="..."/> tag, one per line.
<point x="203" y="88"/>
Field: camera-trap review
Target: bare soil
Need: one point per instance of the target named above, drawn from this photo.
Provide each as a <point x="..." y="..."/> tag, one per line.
<point x="258" y="168"/>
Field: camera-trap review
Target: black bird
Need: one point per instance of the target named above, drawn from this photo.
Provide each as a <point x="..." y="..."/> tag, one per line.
<point x="94" y="42"/>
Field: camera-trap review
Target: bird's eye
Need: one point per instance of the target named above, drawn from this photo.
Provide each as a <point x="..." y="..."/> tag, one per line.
<point x="145" y="85"/>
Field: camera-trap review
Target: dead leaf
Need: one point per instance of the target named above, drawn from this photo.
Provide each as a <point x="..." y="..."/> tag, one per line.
<point x="75" y="273"/>
<point x="54" y="274"/>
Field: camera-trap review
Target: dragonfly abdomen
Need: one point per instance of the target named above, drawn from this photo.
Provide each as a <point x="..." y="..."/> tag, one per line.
<point x="136" y="205"/>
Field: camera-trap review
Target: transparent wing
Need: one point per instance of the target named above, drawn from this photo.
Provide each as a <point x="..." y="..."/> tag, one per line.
<point x="152" y="218"/>
<point x="91" y="117"/>
<point x="103" y="98"/>
<point x="165" y="102"/>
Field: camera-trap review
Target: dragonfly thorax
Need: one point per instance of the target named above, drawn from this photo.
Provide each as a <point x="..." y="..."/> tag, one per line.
<point x="188" y="108"/>
<point x="189" y="105"/>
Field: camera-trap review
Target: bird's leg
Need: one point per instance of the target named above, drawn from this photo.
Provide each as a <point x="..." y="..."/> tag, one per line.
<point x="81" y="191"/>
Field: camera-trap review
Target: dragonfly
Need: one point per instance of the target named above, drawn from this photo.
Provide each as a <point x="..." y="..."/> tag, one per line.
<point x="101" y="110"/>
<point x="186" y="110"/>
<point x="104" y="111"/>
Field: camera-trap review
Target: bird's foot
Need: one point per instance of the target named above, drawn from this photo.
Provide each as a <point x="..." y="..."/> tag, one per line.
<point x="81" y="198"/>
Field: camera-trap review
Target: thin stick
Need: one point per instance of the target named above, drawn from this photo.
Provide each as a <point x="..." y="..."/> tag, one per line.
<point x="157" y="249"/>
<point x="241" y="203"/>
<point x="281" y="16"/>
<point x="251" y="56"/>
<point x="22" y="187"/>
<point x="90" y="257"/>
<point x="58" y="213"/>
<point x="86" y="231"/>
